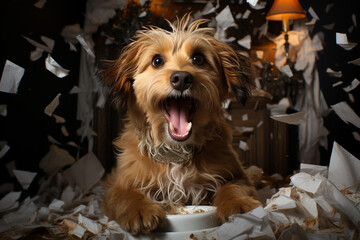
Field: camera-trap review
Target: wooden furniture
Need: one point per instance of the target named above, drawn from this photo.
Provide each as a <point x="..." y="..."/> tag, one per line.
<point x="267" y="143"/>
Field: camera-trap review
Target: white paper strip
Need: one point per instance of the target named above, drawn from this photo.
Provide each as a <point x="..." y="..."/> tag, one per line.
<point x="294" y="118"/>
<point x="11" y="77"/>
<point x="25" y="178"/>
<point x="345" y="112"/>
<point x="352" y="86"/>
<point x="55" y="68"/>
<point x="49" y="109"/>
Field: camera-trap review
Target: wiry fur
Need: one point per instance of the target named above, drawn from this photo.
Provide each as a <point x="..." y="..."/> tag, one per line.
<point x="142" y="187"/>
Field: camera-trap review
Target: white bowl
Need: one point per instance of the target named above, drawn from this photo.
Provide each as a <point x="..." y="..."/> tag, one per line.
<point x="190" y="222"/>
<point x="191" y="218"/>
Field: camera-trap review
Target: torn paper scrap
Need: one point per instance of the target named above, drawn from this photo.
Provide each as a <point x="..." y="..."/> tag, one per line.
<point x="348" y="46"/>
<point x="286" y="70"/>
<point x="355" y="62"/>
<point x="352" y="86"/>
<point x="225" y="19"/>
<point x="246" y="14"/>
<point x="251" y="225"/>
<point x="306" y="182"/>
<point x="208" y="9"/>
<point x="40" y="3"/>
<point x="11" y="77"/>
<point x="333" y="73"/>
<point x="294" y="118"/>
<point x="245" y="42"/>
<point x="346" y="113"/>
<point x="337" y="83"/>
<point x="259" y="54"/>
<point x="55" y="68"/>
<point x="55" y="159"/>
<point x="48" y="41"/>
<point x="252" y="2"/>
<point x="356" y="136"/>
<point x="4" y="148"/>
<point x="49" y="109"/>
<point x="89" y="224"/>
<point x="38" y="45"/>
<point x="341" y="38"/>
<point x="313" y="169"/>
<point x="280" y="108"/>
<point x="25" y="178"/>
<point x="56" y="205"/>
<point x="9" y="201"/>
<point x="280" y="203"/>
<point x="344" y="169"/>
<point x="74" y="229"/>
<point x="86" y="172"/>
<point x="245" y="117"/>
<point x="85" y="45"/>
<point x="243" y="146"/>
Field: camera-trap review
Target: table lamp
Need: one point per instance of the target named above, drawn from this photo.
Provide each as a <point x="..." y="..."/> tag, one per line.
<point x="285" y="10"/>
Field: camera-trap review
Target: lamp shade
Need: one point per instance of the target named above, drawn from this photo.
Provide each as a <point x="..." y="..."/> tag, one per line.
<point x="285" y="9"/>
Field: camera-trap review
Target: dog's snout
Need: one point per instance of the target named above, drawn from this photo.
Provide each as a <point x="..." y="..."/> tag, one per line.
<point x="181" y="80"/>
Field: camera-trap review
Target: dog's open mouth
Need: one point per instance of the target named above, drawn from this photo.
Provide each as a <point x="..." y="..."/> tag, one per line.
<point x="179" y="113"/>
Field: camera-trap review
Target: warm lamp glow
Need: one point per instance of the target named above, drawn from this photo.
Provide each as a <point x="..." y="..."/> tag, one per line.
<point x="285" y="10"/>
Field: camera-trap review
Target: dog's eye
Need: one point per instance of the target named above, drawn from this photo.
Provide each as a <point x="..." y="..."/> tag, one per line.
<point x="158" y="61"/>
<point x="198" y="59"/>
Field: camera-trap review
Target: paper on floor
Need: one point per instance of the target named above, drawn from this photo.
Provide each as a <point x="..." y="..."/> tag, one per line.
<point x="344" y="169"/>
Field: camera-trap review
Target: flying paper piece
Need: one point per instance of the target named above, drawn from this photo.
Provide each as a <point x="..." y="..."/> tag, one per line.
<point x="243" y="146"/>
<point x="351" y="97"/>
<point x="332" y="73"/>
<point x="355" y="62"/>
<point x="85" y="45"/>
<point x="9" y="201"/>
<point x="329" y="6"/>
<point x="36" y="54"/>
<point x="352" y="86"/>
<point x="356" y="136"/>
<point x="55" y="159"/>
<point x="208" y="9"/>
<point x="52" y="106"/>
<point x="245" y="42"/>
<point x="345" y="112"/>
<point x="142" y="2"/>
<point x="225" y="19"/>
<point x="348" y="46"/>
<point x="48" y="41"/>
<point x="55" y="68"/>
<point x="279" y="108"/>
<point x="312" y="22"/>
<point x="143" y="14"/>
<point x="252" y="2"/>
<point x="11" y="77"/>
<point x="294" y="118"/>
<point x="263" y="29"/>
<point x="313" y="13"/>
<point x="246" y="14"/>
<point x="25" y="178"/>
<point x="245" y="117"/>
<point x="68" y="194"/>
<point x="343" y="169"/>
<point x="74" y="229"/>
<point x="4" y="148"/>
<point x="40" y="3"/>
<point x="38" y="45"/>
<point x="238" y="16"/>
<point x="353" y="17"/>
<point x="260" y="54"/>
<point x="341" y="38"/>
<point x="3" y="110"/>
<point x="59" y="119"/>
<point x="337" y="83"/>
<point x="259" y="5"/>
<point x="86" y="172"/>
<point x="286" y="70"/>
<point x="329" y="26"/>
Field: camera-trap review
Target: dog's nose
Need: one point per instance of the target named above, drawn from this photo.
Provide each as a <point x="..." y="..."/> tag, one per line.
<point x="181" y="80"/>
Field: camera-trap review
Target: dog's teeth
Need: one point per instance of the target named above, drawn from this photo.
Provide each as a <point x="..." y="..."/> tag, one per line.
<point x="188" y="127"/>
<point x="171" y="127"/>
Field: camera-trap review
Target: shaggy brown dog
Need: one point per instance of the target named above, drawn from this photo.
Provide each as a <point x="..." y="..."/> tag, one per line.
<point x="176" y="148"/>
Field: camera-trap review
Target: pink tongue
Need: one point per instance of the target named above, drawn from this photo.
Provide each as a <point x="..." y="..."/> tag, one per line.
<point x="179" y="115"/>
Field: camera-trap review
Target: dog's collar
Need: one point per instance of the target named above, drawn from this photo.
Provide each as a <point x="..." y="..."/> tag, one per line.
<point x="178" y="156"/>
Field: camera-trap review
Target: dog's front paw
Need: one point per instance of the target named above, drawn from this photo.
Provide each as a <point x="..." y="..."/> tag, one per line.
<point x="142" y="217"/>
<point x="238" y="205"/>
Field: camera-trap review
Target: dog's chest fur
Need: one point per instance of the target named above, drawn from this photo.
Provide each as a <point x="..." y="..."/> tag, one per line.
<point x="182" y="185"/>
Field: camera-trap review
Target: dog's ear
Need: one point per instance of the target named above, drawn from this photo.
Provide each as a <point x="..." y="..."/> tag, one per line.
<point x="118" y="75"/>
<point x="238" y="72"/>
